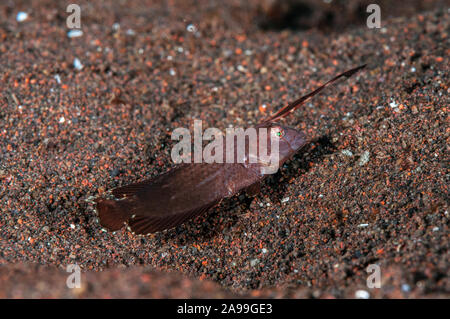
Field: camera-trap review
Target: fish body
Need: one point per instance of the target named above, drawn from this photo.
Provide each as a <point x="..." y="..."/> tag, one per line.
<point x="188" y="190"/>
<point x="191" y="189"/>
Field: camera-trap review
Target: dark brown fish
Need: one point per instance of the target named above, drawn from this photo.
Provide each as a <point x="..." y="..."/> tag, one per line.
<point x="189" y="190"/>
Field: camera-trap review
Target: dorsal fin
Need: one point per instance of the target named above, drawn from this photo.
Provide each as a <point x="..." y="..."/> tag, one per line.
<point x="297" y="103"/>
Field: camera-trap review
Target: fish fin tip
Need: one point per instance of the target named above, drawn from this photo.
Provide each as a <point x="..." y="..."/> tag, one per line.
<point x="112" y="214"/>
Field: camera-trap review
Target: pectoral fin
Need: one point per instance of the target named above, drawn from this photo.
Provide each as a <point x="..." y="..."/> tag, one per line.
<point x="142" y="225"/>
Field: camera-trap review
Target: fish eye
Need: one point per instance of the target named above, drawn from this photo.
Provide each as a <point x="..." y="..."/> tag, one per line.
<point x="279" y="132"/>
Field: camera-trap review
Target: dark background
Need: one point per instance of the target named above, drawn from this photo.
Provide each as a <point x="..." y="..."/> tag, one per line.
<point x="370" y="188"/>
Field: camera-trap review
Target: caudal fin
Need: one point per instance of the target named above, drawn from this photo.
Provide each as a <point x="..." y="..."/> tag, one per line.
<point x="113" y="213"/>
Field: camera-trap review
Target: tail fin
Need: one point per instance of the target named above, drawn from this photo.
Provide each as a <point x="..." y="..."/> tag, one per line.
<point x="113" y="213"/>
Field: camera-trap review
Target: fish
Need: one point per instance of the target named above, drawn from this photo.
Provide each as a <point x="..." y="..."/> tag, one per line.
<point x="191" y="189"/>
